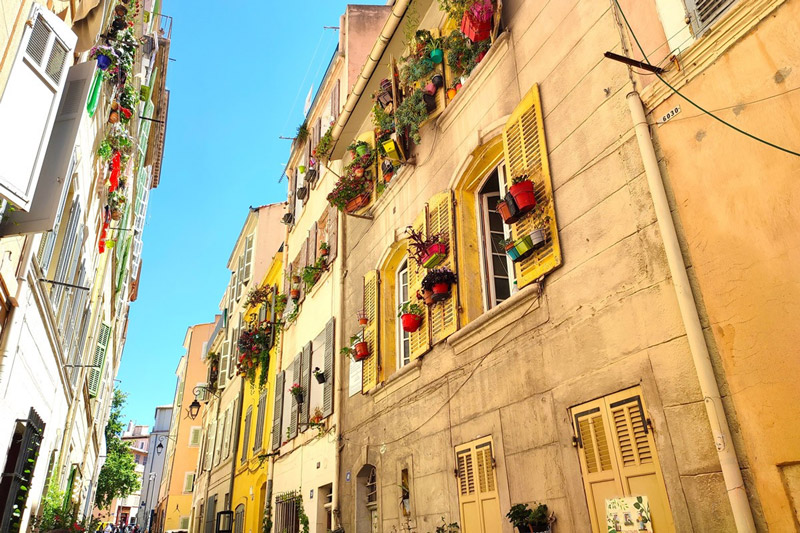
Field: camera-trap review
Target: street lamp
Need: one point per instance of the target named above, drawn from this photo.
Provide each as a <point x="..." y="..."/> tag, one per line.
<point x="194" y="407"/>
<point x="160" y="445"/>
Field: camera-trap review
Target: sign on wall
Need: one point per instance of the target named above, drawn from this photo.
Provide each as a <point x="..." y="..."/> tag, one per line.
<point x="628" y="515"/>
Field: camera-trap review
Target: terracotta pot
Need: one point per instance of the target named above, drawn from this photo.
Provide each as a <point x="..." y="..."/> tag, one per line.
<point x="363" y="321"/>
<point x="294" y="293"/>
<point x="357" y="203"/>
<point x="324" y="252"/>
<point x="505" y="211"/>
<point x="523" y="196"/>
<point x="113" y="117"/>
<point x="361" y="351"/>
<point x="426" y="296"/>
<point x="411" y="322"/>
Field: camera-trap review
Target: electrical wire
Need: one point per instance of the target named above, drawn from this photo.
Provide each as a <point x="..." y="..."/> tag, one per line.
<point x="705" y="111"/>
<point x="742" y="104"/>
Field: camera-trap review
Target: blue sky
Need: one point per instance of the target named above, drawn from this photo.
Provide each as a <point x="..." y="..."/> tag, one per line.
<point x="237" y="84"/>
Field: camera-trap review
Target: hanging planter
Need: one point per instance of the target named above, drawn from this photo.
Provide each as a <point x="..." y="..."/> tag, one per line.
<point x="298" y="392"/>
<point x="439" y="281"/>
<point x="522" y="191"/>
<point x="438" y="81"/>
<point x="434" y="255"/>
<point x="521" y="248"/>
<point x="476" y="24"/>
<point x="430" y="102"/>
<point x="361" y="351"/>
<point x="287" y="218"/>
<point x="437" y="55"/>
<point x="362" y="317"/>
<point x="302" y="192"/>
<point x="357" y="203"/>
<point x="358" y="172"/>
<point x="430" y="88"/>
<point x="508" y="209"/>
<point x="362" y="149"/>
<point x="410" y="316"/>
<point x="324" y="249"/>
<point x="391" y="148"/>
<point x="113" y="117"/>
<point x="426" y="296"/>
<point x="301" y="169"/>
<point x="319" y="375"/>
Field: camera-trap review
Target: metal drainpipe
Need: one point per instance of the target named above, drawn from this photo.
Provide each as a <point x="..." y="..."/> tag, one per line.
<point x="389" y="27"/>
<point x="740" y="505"/>
<point x="338" y="388"/>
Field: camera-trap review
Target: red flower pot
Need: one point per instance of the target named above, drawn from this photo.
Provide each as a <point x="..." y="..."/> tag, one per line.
<point x="411" y="322"/>
<point x="361" y="351"/>
<point x="358" y="171"/>
<point x="523" y="196"/>
<point x="363" y="321"/>
<point x="441" y="291"/>
<point x="295" y="293"/>
<point x="434" y="255"/>
<point x="475" y="31"/>
<point x="357" y="203"/>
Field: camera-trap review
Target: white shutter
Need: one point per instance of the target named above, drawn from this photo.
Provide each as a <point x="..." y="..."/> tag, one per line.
<point x="27" y="107"/>
<point x="223" y="364"/>
<point x="248" y="257"/>
<point x="71" y="234"/>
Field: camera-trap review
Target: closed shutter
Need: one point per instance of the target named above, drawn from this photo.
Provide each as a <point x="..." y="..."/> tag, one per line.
<point x="211" y="438"/>
<point x="27" y="105"/>
<point x="296" y="371"/>
<point x="305" y="382"/>
<point x="444" y="315"/>
<point x="99" y="361"/>
<point x="240" y="277"/>
<point x="258" y="438"/>
<point x="277" y="411"/>
<point x="246" y="433"/>
<point x="211" y="514"/>
<point x="526" y="153"/>
<point x="703" y="12"/>
<point x="224" y="357"/>
<point x="188" y="482"/>
<point x="57" y="166"/>
<point x="478" y="499"/>
<point x="313" y="246"/>
<point x="335" y="95"/>
<point x="333" y="233"/>
<point x="71" y="234"/>
<point x="48" y="243"/>
<point x="419" y="341"/>
<point x="330" y="351"/>
<point x="618" y="458"/>
<point x="248" y="258"/>
<point x="370" y="365"/>
<point x="77" y="348"/>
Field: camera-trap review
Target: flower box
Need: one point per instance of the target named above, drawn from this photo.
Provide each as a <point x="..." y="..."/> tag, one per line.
<point x="357" y="203"/>
<point x="524" y="197"/>
<point x="476" y="24"/>
<point x="524" y="246"/>
<point x="434" y="255"/>
<point x="411" y="322"/>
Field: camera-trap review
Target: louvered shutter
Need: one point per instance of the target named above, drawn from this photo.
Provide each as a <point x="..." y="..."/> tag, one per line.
<point x="313" y="246"/>
<point x="333" y="232"/>
<point x="65" y="253"/>
<point x="258" y="439"/>
<point x="240" y="277"/>
<point x="478" y="499"/>
<point x="224" y="358"/>
<point x="296" y="372"/>
<point x="246" y="433"/>
<point x="248" y="258"/>
<point x="277" y="412"/>
<point x="330" y="351"/>
<point x="99" y="361"/>
<point x="305" y="382"/>
<point x="27" y="105"/>
<point x="419" y="341"/>
<point x="703" y="12"/>
<point x="211" y="438"/>
<point x="335" y="95"/>
<point x="370" y="366"/>
<point x="444" y="315"/>
<point x="58" y="162"/>
<point x="526" y="153"/>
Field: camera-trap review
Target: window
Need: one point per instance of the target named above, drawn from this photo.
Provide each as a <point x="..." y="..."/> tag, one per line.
<point x="372" y="487"/>
<point x="238" y="519"/>
<point x="478" y="500"/>
<point x="195" y="434"/>
<point x="188" y="482"/>
<point x="226" y="431"/>
<point x="246" y="433"/>
<point x="184" y="522"/>
<point x="617" y="453"/>
<point x="258" y="439"/>
<point x="704" y="12"/>
<point x="499" y="269"/>
<point x="403" y="337"/>
<point x="287" y="519"/>
<point x="248" y="258"/>
<point x="367" y="499"/>
<point x="405" y="492"/>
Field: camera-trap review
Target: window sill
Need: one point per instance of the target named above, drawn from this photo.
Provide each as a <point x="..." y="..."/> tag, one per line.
<point x="714" y="42"/>
<point x="495" y="319"/>
<point x="399" y="379"/>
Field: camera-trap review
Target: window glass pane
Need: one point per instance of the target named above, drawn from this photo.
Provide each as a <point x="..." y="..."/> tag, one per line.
<point x="403" y="346"/>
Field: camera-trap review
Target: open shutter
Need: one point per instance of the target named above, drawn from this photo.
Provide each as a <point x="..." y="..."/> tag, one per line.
<point x="330" y="350"/>
<point x="223" y="363"/>
<point x="56" y="172"/>
<point x="419" y="341"/>
<point x="248" y="419"/>
<point x="313" y="246"/>
<point x="277" y="412"/>
<point x="99" y="361"/>
<point x="248" y="258"/>
<point x="370" y="366"/>
<point x="526" y="153"/>
<point x="239" y="277"/>
<point x="296" y="372"/>
<point x="27" y="105"/>
<point x="444" y="315"/>
<point x="258" y="438"/>
<point x="333" y="233"/>
<point x="302" y="261"/>
<point x="305" y="382"/>
<point x="703" y="12"/>
<point x="335" y="93"/>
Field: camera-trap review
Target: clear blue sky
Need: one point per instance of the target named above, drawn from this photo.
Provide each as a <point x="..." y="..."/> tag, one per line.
<point x="237" y="83"/>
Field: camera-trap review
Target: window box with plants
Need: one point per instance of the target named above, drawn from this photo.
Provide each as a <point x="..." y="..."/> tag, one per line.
<point x="410" y="316"/>
<point x="358" y="349"/>
<point x="351" y="192"/>
<point x="426" y="252"/>
<point x="312" y="273"/>
<point x="439" y="281"/>
<point x="527" y="520"/>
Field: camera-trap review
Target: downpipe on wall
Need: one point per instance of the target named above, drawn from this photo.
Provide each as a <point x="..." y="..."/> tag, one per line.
<point x="734" y="484"/>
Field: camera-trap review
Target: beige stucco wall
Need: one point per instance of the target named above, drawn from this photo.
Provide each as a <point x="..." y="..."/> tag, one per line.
<point x="607" y="319"/>
<point x="736" y="201"/>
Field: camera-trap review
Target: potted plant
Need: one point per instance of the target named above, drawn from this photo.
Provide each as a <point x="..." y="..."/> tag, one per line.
<point x="522" y="191"/>
<point x="324" y="249"/>
<point x="391" y="148"/>
<point x="294" y="292"/>
<point x="387" y="170"/>
<point x="301" y="169"/>
<point x="350" y="193"/>
<point x="507" y="208"/>
<point x="437" y="55"/>
<point x="411" y="316"/>
<point x="302" y="133"/>
<point x="297" y="392"/>
<point x="426" y="252"/>
<point x="360" y="350"/>
<point x="527" y="520"/>
<point x="301" y="193"/>
<point x="412" y="112"/>
<point x="426" y="296"/>
<point x="521" y="248"/>
<point x="287" y="218"/>
<point x="325" y="144"/>
<point x="439" y="281"/>
<point x="477" y="21"/>
<point x="319" y="374"/>
<point x="105" y="56"/>
<point x="359" y="148"/>
<point x="362" y="317"/>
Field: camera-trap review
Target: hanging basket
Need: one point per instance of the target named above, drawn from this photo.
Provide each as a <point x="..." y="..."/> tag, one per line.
<point x="434" y="255"/>
<point x="411" y="322"/>
<point x="508" y="210"/>
<point x="357" y="203"/>
<point x="523" y="196"/>
<point x="525" y="246"/>
<point x="361" y="351"/>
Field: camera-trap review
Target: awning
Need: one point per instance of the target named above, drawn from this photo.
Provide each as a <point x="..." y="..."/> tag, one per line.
<point x="87" y="22"/>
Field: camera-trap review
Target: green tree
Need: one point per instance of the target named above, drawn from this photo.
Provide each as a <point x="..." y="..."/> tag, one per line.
<point x="118" y="477"/>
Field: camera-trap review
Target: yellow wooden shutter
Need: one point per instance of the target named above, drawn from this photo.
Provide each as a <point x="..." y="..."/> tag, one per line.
<point x="526" y="153"/>
<point x="478" y="500"/>
<point x="369" y="368"/>
<point x="420" y="340"/>
<point x="444" y="315"/>
<point x="618" y="457"/>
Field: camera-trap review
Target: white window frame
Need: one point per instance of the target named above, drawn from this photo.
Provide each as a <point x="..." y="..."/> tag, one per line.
<point x="401" y="336"/>
<point x="487" y="266"/>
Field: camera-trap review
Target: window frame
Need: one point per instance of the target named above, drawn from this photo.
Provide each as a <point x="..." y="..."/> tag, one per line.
<point x="487" y="267"/>
<point x="402" y="338"/>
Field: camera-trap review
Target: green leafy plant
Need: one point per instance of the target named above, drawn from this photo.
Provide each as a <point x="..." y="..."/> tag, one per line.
<point x="436" y="276"/>
<point x="519" y="179"/>
<point x="104" y="151"/>
<point x="324" y="247"/>
<point x="302" y="133"/>
<point x="349" y="350"/>
<point x="382" y="120"/>
<point x="525" y="518"/>
<point x="117" y="478"/>
<point x="463" y="54"/>
<point x="452" y="527"/>
<point x="410" y="114"/>
<point x="455" y="8"/>
<point x="311" y="273"/>
<point x="258" y="295"/>
<point x="410" y="308"/>
<point x="54" y="516"/>
<point x="325" y="146"/>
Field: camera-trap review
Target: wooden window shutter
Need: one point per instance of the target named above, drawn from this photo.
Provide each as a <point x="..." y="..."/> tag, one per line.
<point x="248" y="258"/>
<point x="248" y="419"/>
<point x="313" y="247"/>
<point x="703" y="12"/>
<point x="478" y="499"/>
<point x="302" y="262"/>
<point x="223" y="363"/>
<point x="305" y="382"/>
<point x="330" y="352"/>
<point x="335" y="99"/>
<point x="441" y="221"/>
<point x="277" y="413"/>
<point x="526" y="153"/>
<point x="618" y="458"/>
<point x="369" y="368"/>
<point x="99" y="361"/>
<point x="420" y="340"/>
<point x="296" y="373"/>
<point x="333" y="232"/>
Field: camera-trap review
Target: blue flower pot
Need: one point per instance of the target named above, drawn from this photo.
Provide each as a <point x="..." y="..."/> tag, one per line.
<point x="103" y="62"/>
<point x="437" y="55"/>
